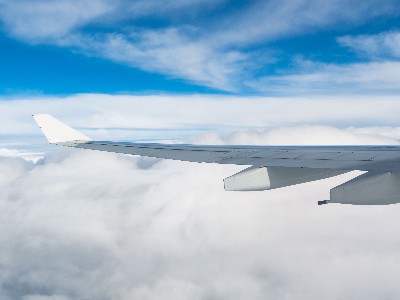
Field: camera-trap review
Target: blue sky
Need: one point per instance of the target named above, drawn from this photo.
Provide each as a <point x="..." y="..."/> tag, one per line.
<point x="188" y="46"/>
<point x="283" y="72"/>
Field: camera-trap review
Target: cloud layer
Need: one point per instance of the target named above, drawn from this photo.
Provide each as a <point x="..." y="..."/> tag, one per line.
<point x="164" y="117"/>
<point x="91" y="225"/>
<point x="84" y="224"/>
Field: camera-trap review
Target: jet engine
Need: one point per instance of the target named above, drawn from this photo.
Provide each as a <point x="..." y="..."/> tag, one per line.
<point x="267" y="178"/>
<point x="371" y="188"/>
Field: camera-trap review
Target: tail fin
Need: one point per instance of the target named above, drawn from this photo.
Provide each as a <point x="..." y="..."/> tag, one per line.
<point x="57" y="132"/>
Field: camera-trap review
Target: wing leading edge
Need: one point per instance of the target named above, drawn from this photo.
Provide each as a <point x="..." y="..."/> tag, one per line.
<point x="271" y="166"/>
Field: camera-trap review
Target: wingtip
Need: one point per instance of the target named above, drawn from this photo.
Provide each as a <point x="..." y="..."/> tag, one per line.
<point x="58" y="132"/>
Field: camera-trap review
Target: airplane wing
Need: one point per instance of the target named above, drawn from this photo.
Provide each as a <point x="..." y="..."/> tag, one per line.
<point x="270" y="166"/>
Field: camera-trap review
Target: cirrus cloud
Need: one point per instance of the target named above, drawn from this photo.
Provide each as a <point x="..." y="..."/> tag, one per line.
<point x="378" y="46"/>
<point x="209" y="43"/>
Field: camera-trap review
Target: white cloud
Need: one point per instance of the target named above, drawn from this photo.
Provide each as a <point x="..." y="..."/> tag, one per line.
<point x="307" y="135"/>
<point x="377" y="78"/>
<point x="379" y="46"/>
<point x="210" y="51"/>
<point x="170" y="9"/>
<point x="261" y="20"/>
<point x="271" y="20"/>
<point x="169" y="51"/>
<point x="11" y="168"/>
<point x="49" y="21"/>
<point x="34" y="157"/>
<point x="180" y="117"/>
<point x="83" y="224"/>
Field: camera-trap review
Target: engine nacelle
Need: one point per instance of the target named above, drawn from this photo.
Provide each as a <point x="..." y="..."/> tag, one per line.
<point x="371" y="188"/>
<point x="267" y="178"/>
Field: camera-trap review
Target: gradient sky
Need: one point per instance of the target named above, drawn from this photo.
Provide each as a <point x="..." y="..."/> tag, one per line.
<point x="77" y="224"/>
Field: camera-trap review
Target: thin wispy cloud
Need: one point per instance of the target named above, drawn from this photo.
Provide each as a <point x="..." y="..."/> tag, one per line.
<point x="49" y="21"/>
<point x="374" y="78"/>
<point x="378" y="46"/>
<point x="208" y="43"/>
<point x="170" y="52"/>
<point x="272" y="20"/>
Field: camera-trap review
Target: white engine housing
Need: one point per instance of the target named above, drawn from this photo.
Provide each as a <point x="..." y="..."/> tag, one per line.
<point x="267" y="178"/>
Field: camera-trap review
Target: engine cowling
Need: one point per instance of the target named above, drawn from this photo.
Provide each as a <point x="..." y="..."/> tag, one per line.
<point x="267" y="178"/>
<point x="371" y="188"/>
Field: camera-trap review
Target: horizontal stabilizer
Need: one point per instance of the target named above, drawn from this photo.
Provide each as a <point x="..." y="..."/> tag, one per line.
<point x="57" y="132"/>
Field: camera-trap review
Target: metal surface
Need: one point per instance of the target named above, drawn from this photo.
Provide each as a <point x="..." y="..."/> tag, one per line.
<point x="364" y="158"/>
<point x="272" y="166"/>
<point x="268" y="178"/>
<point x="368" y="189"/>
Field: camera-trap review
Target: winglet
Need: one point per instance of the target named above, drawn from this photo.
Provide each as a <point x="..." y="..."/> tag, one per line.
<point x="57" y="132"/>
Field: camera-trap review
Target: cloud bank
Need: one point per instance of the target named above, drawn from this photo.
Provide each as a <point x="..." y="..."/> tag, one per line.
<point x="84" y="224"/>
<point x="179" y="118"/>
<point x="91" y="225"/>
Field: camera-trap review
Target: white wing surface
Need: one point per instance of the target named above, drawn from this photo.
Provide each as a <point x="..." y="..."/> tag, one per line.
<point x="270" y="166"/>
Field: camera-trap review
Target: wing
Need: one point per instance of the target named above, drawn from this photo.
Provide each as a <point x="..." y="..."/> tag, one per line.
<point x="270" y="166"/>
